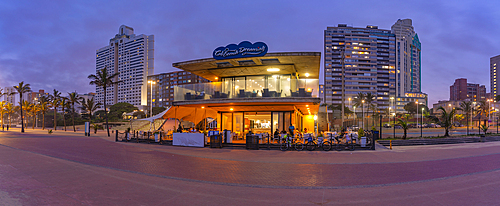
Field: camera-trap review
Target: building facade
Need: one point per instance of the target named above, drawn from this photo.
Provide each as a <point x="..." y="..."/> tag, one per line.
<point x="368" y="57"/>
<point x="163" y="86"/>
<point x="461" y="90"/>
<point x="494" y="61"/>
<point x="9" y="97"/>
<point x="408" y="58"/>
<point x="133" y="57"/>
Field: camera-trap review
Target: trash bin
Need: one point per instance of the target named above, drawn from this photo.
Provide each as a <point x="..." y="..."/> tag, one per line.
<point x="363" y="141"/>
<point x="376" y="135"/>
<point x="227" y="136"/>
<point x="216" y="141"/>
<point x="252" y="142"/>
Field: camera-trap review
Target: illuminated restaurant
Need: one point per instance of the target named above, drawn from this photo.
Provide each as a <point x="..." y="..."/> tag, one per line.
<point x="251" y="90"/>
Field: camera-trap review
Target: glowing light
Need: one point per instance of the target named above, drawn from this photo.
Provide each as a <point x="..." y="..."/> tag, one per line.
<point x="203" y="107"/>
<point x="273" y="70"/>
<point x="307" y="105"/>
<point x="315" y="117"/>
<point x="216" y="78"/>
<point x="231" y="109"/>
<point x="307" y="74"/>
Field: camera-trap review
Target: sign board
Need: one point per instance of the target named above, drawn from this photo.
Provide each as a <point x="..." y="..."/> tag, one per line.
<point x="188" y="139"/>
<point x="243" y="49"/>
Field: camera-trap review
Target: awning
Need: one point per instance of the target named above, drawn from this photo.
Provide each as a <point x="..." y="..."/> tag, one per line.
<point x="192" y="114"/>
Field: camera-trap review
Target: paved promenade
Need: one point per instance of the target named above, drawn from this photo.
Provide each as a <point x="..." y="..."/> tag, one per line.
<point x="66" y="168"/>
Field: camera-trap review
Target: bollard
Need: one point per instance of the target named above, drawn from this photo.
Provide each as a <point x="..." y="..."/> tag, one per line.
<point x="390" y="144"/>
<point x="116" y="137"/>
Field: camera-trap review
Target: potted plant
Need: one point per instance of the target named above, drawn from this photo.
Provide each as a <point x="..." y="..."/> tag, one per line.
<point x="127" y="133"/>
<point x="485" y="129"/>
<point x="156" y="134"/>
<point x="361" y="137"/>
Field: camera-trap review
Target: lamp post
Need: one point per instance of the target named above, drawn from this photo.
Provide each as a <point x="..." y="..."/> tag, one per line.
<point x="151" y="107"/>
<point x="355" y="117"/>
<point x="421" y="125"/>
<point x="416" y="102"/>
<point x="363" y="110"/>
<point x="394" y="126"/>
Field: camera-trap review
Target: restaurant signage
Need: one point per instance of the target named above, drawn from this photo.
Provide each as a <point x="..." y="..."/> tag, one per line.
<point x="243" y="49"/>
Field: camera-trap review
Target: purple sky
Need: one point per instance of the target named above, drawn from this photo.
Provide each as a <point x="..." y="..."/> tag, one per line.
<point x="52" y="44"/>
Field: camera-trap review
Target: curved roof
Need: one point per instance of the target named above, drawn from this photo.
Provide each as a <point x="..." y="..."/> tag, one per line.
<point x="286" y="62"/>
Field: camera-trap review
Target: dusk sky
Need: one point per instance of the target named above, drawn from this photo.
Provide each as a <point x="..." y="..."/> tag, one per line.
<point x="52" y="44"/>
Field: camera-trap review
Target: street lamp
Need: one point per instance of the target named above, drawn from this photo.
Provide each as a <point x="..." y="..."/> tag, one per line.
<point x="151" y="107"/>
<point x="394" y="126"/>
<point x="363" y="110"/>
<point x="416" y="102"/>
<point x="355" y="117"/>
<point x="421" y="125"/>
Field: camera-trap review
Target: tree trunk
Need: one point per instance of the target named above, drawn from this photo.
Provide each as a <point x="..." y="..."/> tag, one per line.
<point x="73" y="117"/>
<point x="21" y="106"/>
<point x="64" y="121"/>
<point x="106" y="111"/>
<point x="43" y="121"/>
<point x="446" y="134"/>
<point x="55" y="118"/>
<point x="404" y="136"/>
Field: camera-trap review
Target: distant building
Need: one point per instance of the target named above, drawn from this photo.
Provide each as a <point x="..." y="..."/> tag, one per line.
<point x="9" y="97"/>
<point x="494" y="62"/>
<point x="163" y="86"/>
<point x="461" y="90"/>
<point x="133" y="57"/>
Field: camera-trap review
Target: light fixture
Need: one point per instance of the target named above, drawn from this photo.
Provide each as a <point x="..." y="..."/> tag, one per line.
<point x="307" y="105"/>
<point x="307" y="74"/>
<point x="315" y="117"/>
<point x="231" y="109"/>
<point x="203" y="107"/>
<point x="216" y="78"/>
<point x="273" y="70"/>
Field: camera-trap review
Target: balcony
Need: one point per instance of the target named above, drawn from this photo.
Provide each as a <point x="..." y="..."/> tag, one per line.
<point x="241" y="89"/>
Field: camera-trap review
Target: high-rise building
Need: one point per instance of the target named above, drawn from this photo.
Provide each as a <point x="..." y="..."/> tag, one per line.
<point x="131" y="55"/>
<point x="494" y="61"/>
<point x="408" y="58"/>
<point x="163" y="86"/>
<point x="9" y="95"/>
<point x="368" y="56"/>
<point x="461" y="90"/>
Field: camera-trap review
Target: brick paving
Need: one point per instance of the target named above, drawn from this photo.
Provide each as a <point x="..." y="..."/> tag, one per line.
<point x="57" y="158"/>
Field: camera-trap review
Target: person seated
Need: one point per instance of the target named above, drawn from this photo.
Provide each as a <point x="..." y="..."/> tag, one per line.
<point x="305" y="130"/>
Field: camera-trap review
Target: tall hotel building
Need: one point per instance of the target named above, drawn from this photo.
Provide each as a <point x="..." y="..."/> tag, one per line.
<point x="133" y="56"/>
<point x="494" y="63"/>
<point x="369" y="60"/>
<point x="385" y="63"/>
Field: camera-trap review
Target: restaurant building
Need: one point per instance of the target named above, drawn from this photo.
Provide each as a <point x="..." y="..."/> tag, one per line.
<point x="251" y="90"/>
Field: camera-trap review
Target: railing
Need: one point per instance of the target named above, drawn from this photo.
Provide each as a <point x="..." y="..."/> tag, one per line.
<point x="247" y="89"/>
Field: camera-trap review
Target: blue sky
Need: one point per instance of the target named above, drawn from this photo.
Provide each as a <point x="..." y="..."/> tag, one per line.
<point x="52" y="44"/>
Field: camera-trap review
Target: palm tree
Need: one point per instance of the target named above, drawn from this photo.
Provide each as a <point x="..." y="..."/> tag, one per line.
<point x="404" y="125"/>
<point x="64" y="104"/>
<point x="21" y="89"/>
<point x="9" y="108"/>
<point x="359" y="100"/>
<point x="44" y="107"/>
<point x="27" y="109"/>
<point x="104" y="79"/>
<point x="446" y="119"/>
<point x="73" y="98"/>
<point x="90" y="106"/>
<point x="369" y="101"/>
<point x="55" y="102"/>
<point x="467" y="107"/>
<point x="3" y="105"/>
<point x="35" y="108"/>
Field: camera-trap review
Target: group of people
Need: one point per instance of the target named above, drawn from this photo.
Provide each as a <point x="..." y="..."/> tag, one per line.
<point x="291" y="130"/>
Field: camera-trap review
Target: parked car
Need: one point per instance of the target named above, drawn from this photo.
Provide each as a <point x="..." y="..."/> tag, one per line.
<point x="387" y="126"/>
<point x="398" y="127"/>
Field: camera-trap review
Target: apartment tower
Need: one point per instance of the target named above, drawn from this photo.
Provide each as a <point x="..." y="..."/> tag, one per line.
<point x="133" y="57"/>
<point x="494" y="62"/>
<point x="368" y="57"/>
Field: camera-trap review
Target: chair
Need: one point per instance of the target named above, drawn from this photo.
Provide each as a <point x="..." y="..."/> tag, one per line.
<point x="272" y="93"/>
<point x="265" y="93"/>
<point x="187" y="96"/>
<point x="241" y="94"/>
<point x="302" y="92"/>
<point x="216" y="94"/>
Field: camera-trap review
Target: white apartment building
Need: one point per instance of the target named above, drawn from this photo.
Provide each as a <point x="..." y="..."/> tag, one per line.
<point x="10" y="98"/>
<point x="133" y="56"/>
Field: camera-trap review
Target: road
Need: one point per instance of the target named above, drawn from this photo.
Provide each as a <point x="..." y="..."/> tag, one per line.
<point x="69" y="169"/>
